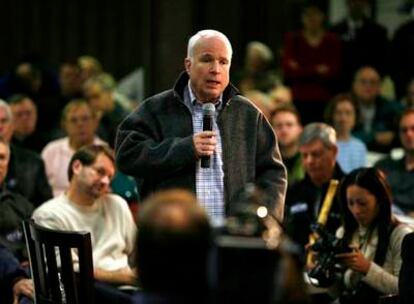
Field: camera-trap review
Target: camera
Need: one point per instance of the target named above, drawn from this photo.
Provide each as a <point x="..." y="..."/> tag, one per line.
<point x="244" y="260"/>
<point x="327" y="246"/>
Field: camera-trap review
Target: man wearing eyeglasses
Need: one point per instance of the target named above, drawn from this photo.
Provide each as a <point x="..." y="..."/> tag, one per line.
<point x="377" y="123"/>
<point x="79" y="123"/>
<point x="400" y="172"/>
<point x="88" y="205"/>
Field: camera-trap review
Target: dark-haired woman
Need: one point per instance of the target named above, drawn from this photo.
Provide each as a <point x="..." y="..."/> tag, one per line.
<point x="375" y="235"/>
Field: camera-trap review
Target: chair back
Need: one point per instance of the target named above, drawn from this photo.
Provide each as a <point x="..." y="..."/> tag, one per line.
<point x="50" y="254"/>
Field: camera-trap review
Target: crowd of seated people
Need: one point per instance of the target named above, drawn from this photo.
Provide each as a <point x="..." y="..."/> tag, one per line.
<point x="333" y="70"/>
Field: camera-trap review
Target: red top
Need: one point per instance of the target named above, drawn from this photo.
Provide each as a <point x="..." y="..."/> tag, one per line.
<point x="306" y="82"/>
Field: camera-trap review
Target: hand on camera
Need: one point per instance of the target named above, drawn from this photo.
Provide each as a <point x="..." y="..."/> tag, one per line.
<point x="354" y="260"/>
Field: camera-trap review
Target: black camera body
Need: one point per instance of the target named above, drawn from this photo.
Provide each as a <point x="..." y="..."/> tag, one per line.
<point x="327" y="247"/>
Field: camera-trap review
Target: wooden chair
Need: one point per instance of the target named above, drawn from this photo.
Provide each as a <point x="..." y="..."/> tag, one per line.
<point x="54" y="278"/>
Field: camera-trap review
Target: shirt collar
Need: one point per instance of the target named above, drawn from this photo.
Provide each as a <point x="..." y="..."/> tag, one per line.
<point x="193" y="99"/>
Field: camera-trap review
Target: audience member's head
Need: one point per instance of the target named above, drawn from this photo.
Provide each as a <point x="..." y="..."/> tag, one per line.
<point x="317" y="145"/>
<point x="4" y="159"/>
<point x="24" y="114"/>
<point x="70" y="79"/>
<point x="287" y="125"/>
<point x="281" y="94"/>
<point x="98" y="90"/>
<point x="91" y="170"/>
<point x="29" y="77"/>
<point x="357" y="9"/>
<point x="89" y="66"/>
<point x="259" y="57"/>
<point x="366" y="85"/>
<point x="407" y="131"/>
<point x="409" y="97"/>
<point x="172" y="244"/>
<point x="6" y="121"/>
<point x="366" y="199"/>
<point x="79" y="122"/>
<point x="313" y="16"/>
<point x="342" y="113"/>
<point x="262" y="101"/>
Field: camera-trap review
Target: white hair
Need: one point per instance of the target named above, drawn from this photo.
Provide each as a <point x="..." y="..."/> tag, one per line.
<point x="261" y="49"/>
<point x="7" y="109"/>
<point x="192" y="42"/>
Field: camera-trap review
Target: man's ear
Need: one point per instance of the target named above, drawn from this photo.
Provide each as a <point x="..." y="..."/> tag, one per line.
<point x="76" y="167"/>
<point x="335" y="151"/>
<point x="187" y="64"/>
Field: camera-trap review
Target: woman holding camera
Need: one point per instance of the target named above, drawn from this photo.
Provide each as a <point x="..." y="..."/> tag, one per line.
<point x="373" y="233"/>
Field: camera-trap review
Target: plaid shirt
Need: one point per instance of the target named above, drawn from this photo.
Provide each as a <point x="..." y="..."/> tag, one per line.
<point x="209" y="181"/>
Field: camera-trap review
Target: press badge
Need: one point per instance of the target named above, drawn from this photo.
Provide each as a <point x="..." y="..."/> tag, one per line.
<point x="299" y="208"/>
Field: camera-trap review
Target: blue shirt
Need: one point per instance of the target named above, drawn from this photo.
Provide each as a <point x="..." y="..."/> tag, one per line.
<point x="209" y="181"/>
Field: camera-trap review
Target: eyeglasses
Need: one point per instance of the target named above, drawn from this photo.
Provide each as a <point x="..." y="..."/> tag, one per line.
<point x="406" y="129"/>
<point x="81" y="119"/>
<point x="370" y="82"/>
<point x="4" y="121"/>
<point x="101" y="172"/>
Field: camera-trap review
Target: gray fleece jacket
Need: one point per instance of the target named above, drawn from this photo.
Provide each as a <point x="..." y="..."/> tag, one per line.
<point x="154" y="144"/>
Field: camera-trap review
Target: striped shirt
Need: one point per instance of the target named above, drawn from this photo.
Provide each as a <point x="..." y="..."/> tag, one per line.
<point x="209" y="181"/>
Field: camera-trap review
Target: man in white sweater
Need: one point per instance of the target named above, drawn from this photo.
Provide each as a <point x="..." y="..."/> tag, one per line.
<point x="88" y="206"/>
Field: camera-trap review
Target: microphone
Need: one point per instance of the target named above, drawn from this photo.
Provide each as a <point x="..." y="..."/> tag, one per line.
<point x="208" y="118"/>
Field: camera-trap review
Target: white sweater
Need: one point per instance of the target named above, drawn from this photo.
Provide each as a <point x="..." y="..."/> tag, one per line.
<point x="382" y="278"/>
<point x="109" y="221"/>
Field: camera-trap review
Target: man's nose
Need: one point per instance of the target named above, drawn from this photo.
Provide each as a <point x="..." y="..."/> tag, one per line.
<point x="215" y="67"/>
<point x="106" y="180"/>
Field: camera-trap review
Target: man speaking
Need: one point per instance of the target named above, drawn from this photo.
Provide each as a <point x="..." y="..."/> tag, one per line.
<point x="163" y="142"/>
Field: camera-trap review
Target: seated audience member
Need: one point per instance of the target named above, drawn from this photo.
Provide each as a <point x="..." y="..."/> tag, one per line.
<point x="258" y="73"/>
<point x="373" y="233"/>
<point x="14" y="208"/>
<point x="400" y="172"/>
<point x="377" y="122"/>
<point x="364" y="41"/>
<point x="317" y="146"/>
<point x="99" y="92"/>
<point x="14" y="282"/>
<point x="35" y="79"/>
<point x="79" y="123"/>
<point x="70" y="82"/>
<point x="406" y="278"/>
<point x="341" y="113"/>
<point x="408" y="100"/>
<point x="402" y="48"/>
<point x="89" y="67"/>
<point x="25" y="120"/>
<point x="285" y="121"/>
<point x="261" y="100"/>
<point x="172" y="247"/>
<point x="311" y="63"/>
<point x="88" y="206"/>
<point x="26" y="172"/>
<point x="281" y="95"/>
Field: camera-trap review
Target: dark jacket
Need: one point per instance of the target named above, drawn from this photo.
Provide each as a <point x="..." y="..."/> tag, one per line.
<point x="155" y="145"/>
<point x="385" y="119"/>
<point x="14" y="208"/>
<point x="368" y="45"/>
<point x="406" y="277"/>
<point x="26" y="175"/>
<point x="302" y="200"/>
<point x="401" y="182"/>
<point x="10" y="273"/>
